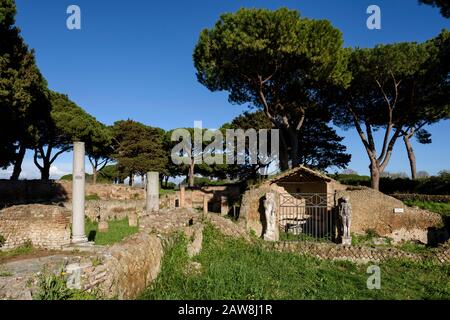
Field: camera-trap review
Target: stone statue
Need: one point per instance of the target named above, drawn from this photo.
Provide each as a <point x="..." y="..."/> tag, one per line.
<point x="272" y="232"/>
<point x="345" y="217"/>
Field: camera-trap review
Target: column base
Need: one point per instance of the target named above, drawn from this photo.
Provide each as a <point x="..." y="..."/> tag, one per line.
<point x="271" y="236"/>
<point x="347" y="241"/>
<point x="79" y="240"/>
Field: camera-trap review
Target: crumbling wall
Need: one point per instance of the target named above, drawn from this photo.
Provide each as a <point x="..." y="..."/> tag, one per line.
<point x="107" y="191"/>
<point x="376" y="211"/>
<point x="111" y="209"/>
<point x="127" y="268"/>
<point x="220" y="199"/>
<point x="37" y="191"/>
<point x="252" y="207"/>
<point x="45" y="227"/>
<point x="32" y="191"/>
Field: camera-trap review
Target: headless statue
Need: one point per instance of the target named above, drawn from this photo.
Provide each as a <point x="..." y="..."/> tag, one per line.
<point x="271" y="233"/>
<point x="345" y="215"/>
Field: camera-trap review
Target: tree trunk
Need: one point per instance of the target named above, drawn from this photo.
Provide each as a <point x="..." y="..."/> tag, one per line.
<point x="284" y="159"/>
<point x="294" y="148"/>
<point x="411" y="157"/>
<point x="45" y="171"/>
<point x="94" y="174"/>
<point x="191" y="173"/>
<point x="375" y="176"/>
<point x="130" y="182"/>
<point x="18" y="163"/>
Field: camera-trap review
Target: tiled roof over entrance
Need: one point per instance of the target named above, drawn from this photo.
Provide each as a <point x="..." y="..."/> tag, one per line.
<point x="300" y="174"/>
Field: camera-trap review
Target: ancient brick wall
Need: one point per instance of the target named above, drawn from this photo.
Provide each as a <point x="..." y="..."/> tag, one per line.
<point x="36" y="191"/>
<point x="111" y="209"/>
<point x="252" y="208"/>
<point x="361" y="254"/>
<point x="33" y="191"/>
<point x="220" y="198"/>
<point x="45" y="227"/>
<point x="376" y="211"/>
<point x="125" y="269"/>
<point x="108" y="191"/>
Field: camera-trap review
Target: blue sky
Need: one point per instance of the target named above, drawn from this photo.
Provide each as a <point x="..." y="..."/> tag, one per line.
<point x="133" y="60"/>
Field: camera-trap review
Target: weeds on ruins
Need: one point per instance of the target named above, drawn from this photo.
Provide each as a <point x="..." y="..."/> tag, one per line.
<point x="234" y="269"/>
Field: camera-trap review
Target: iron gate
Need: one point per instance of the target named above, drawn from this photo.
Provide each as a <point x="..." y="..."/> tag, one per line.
<point x="307" y="216"/>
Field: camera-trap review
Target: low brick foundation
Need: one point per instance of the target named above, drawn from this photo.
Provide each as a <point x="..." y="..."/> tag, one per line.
<point x="37" y="191"/>
<point x="125" y="269"/>
<point x="45" y="227"/>
<point x="111" y="209"/>
<point x="361" y="254"/>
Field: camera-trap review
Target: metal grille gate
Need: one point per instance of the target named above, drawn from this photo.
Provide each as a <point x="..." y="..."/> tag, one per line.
<point x="307" y="216"/>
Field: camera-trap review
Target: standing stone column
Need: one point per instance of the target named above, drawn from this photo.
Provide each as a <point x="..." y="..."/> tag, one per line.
<point x="182" y="196"/>
<point x="205" y="204"/>
<point x="78" y="193"/>
<point x="152" y="203"/>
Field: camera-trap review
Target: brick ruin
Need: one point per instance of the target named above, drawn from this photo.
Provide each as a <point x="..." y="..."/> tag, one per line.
<point x="43" y="226"/>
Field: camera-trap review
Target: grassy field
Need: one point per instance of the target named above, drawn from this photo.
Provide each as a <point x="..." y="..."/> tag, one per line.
<point x="118" y="229"/>
<point x="233" y="269"/>
<point x="163" y="192"/>
<point x="438" y="207"/>
<point x="22" y="250"/>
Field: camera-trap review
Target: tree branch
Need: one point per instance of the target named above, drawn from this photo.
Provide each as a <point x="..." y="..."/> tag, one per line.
<point x="59" y="153"/>
<point x="265" y="104"/>
<point x="104" y="164"/>
<point x="35" y="159"/>
<point x="390" y="148"/>
<point x="370" y="136"/>
<point x="361" y="132"/>
<point x="302" y="120"/>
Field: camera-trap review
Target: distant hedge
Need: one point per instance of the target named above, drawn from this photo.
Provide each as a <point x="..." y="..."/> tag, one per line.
<point x="435" y="185"/>
<point x="422" y="197"/>
<point x="201" y="182"/>
<point x="89" y="178"/>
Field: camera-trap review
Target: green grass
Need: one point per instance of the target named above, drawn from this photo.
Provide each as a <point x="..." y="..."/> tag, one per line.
<point x="234" y="269"/>
<point x="367" y="238"/>
<point x="438" y="207"/>
<point x="54" y="287"/>
<point x="414" y="247"/>
<point x="117" y="231"/>
<point x="288" y="236"/>
<point x="24" y="249"/>
<point x="91" y="197"/>
<point x="5" y="273"/>
<point x="163" y="192"/>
